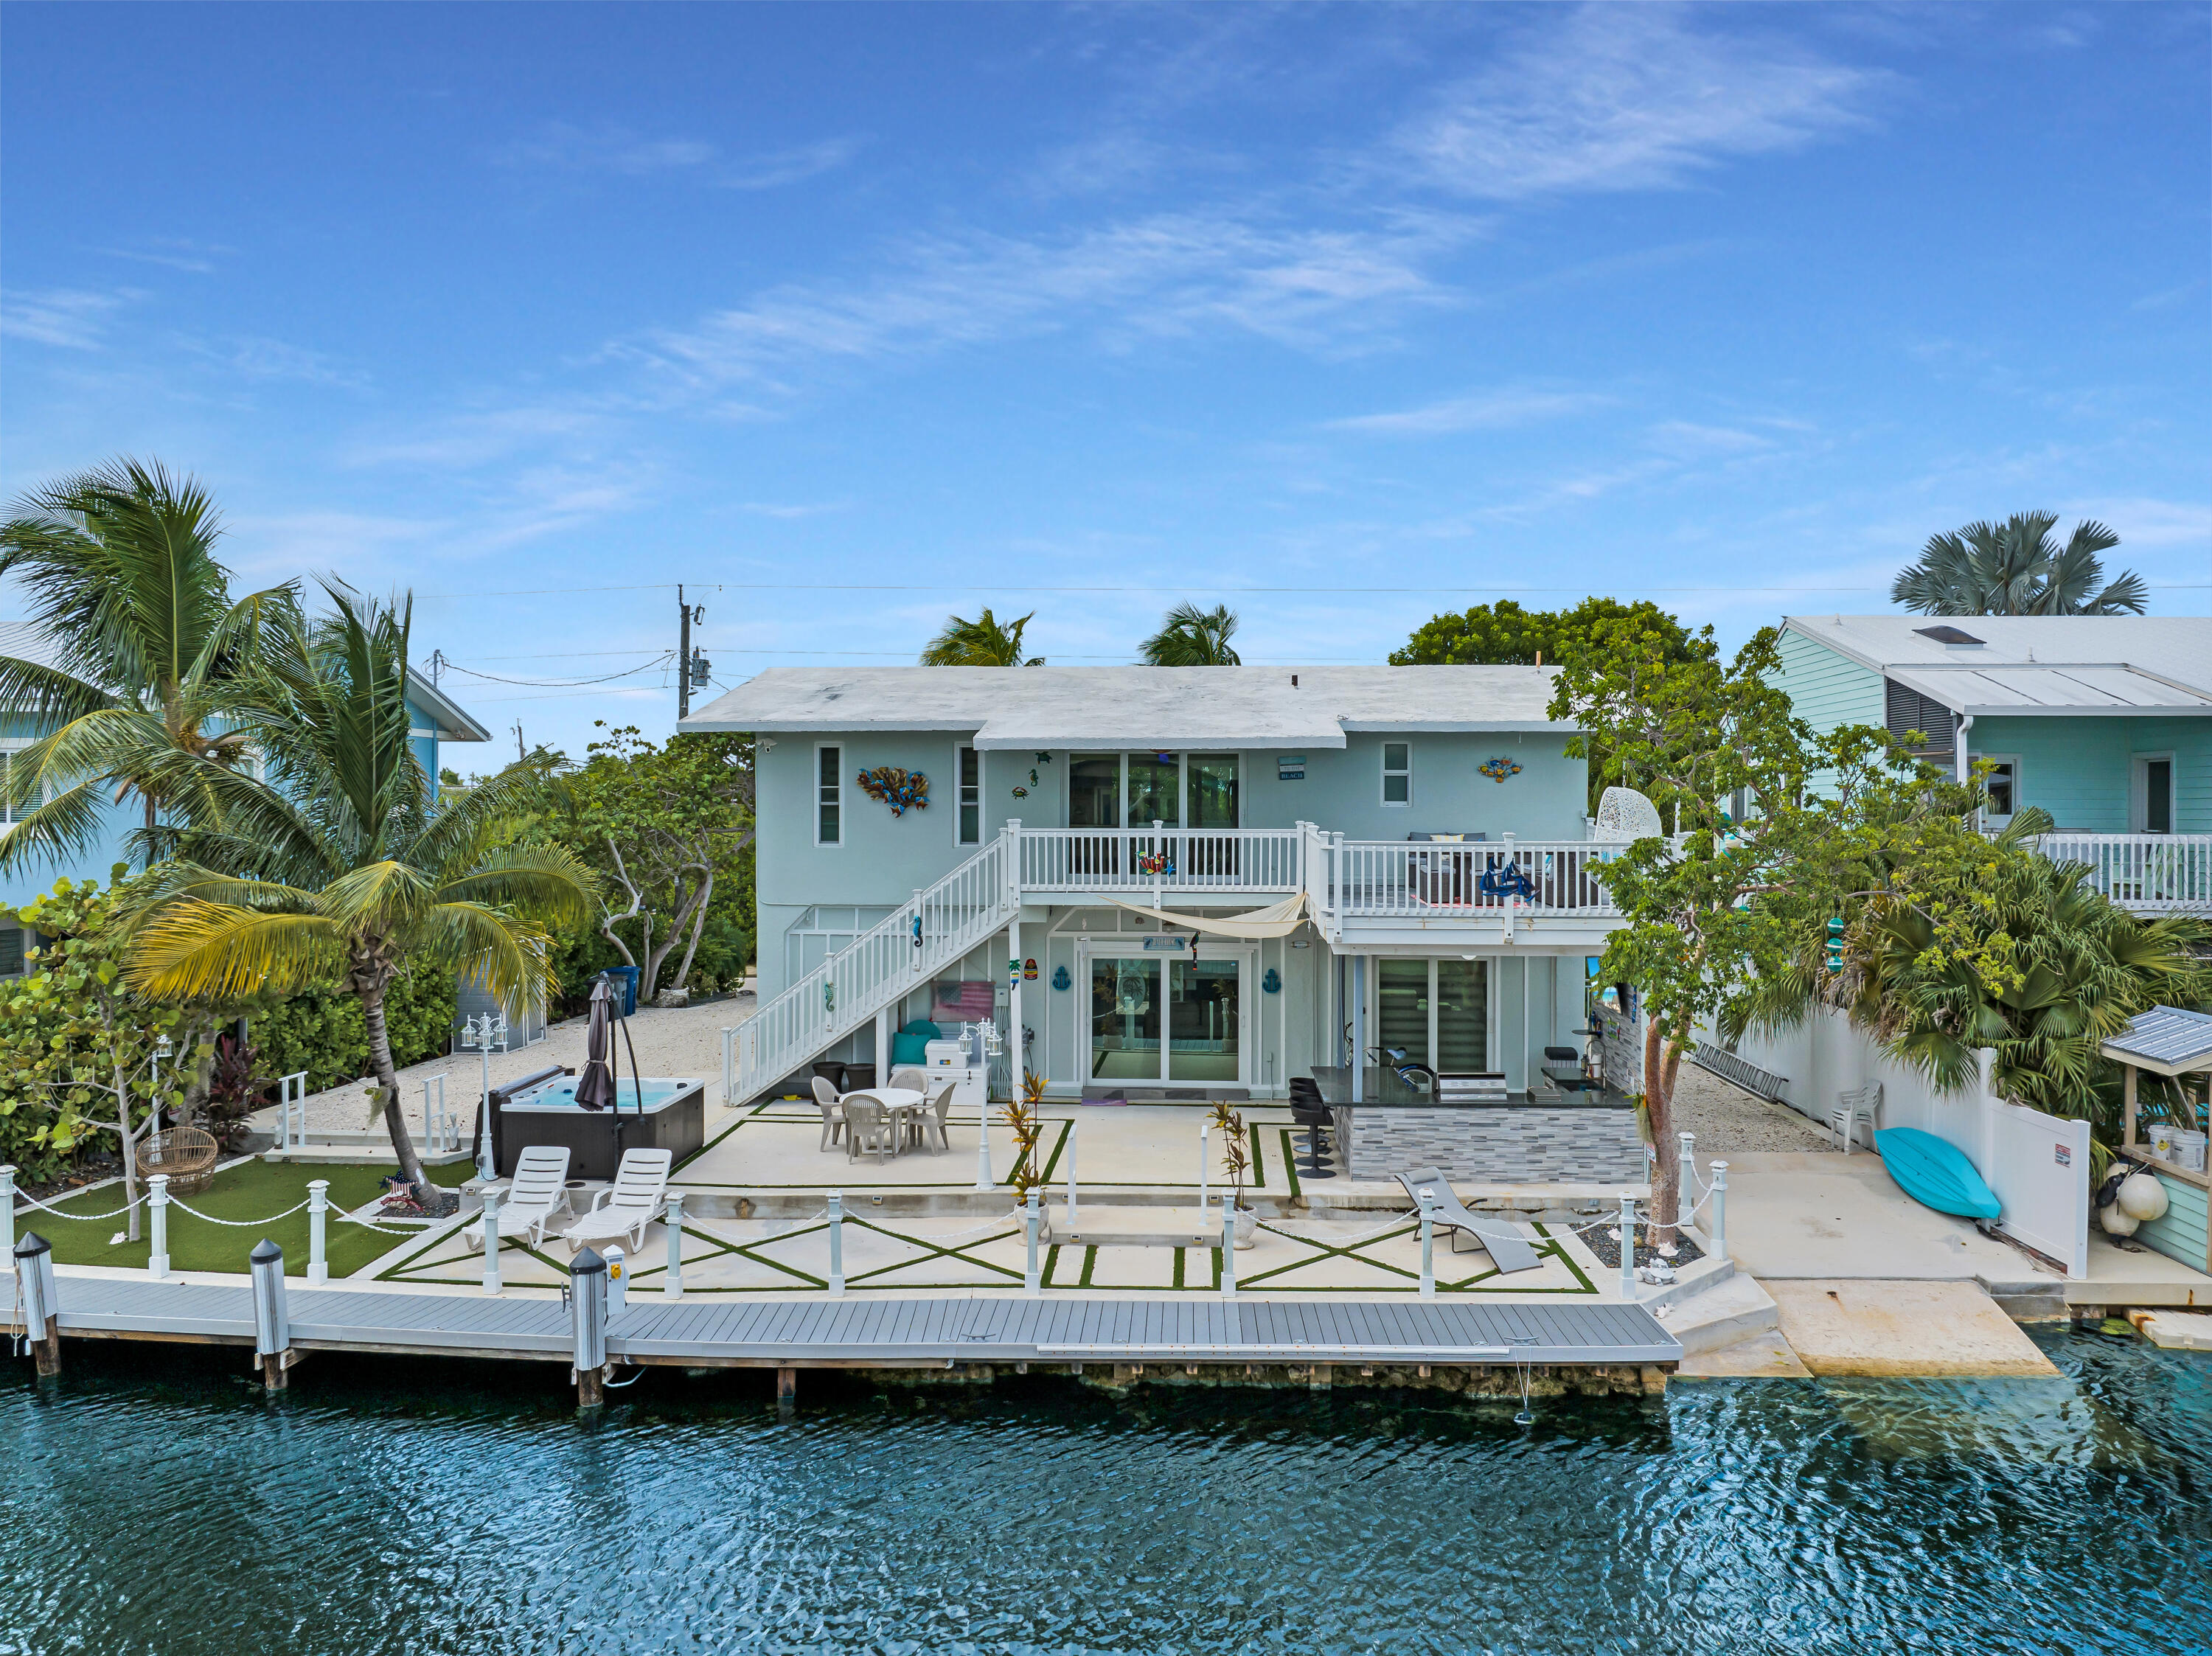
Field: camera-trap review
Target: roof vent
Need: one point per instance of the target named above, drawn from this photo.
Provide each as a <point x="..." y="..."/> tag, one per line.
<point x="1947" y="635"/>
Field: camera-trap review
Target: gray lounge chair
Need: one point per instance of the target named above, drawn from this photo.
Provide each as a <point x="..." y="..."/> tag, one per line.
<point x="1503" y="1240"/>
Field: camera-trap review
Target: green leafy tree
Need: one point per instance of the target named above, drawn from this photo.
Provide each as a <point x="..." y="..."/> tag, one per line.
<point x="666" y="827"/>
<point x="1692" y="733"/>
<point x="1192" y="637"/>
<point x="337" y="867"/>
<point x="78" y="1047"/>
<point x="1503" y="635"/>
<point x="984" y="642"/>
<point x="2018" y="569"/>
<point x="149" y="650"/>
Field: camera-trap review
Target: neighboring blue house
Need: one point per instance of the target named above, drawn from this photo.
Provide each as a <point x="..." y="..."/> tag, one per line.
<point x="434" y="719"/>
<point x="2104" y="721"/>
<point x="1178" y="880"/>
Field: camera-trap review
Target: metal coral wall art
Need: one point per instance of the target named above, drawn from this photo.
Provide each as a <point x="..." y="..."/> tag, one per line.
<point x="900" y="789"/>
<point x="1498" y="769"/>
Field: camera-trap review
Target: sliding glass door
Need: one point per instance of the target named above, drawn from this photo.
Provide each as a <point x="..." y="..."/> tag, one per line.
<point x="1436" y="1012"/>
<point x="1198" y="1004"/>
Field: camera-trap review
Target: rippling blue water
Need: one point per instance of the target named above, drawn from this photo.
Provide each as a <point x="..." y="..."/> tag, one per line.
<point x="153" y="1503"/>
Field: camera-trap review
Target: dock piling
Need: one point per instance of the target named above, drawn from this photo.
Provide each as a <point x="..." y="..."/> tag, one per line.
<point x="272" y="1322"/>
<point x="319" y="1214"/>
<point x="491" y="1239"/>
<point x="786" y="1388"/>
<point x="157" y="1218"/>
<point x="587" y="1311"/>
<point x="836" y="1241"/>
<point x="1720" y="1209"/>
<point x="1031" y="1282"/>
<point x="671" y="1283"/>
<point x="34" y="1276"/>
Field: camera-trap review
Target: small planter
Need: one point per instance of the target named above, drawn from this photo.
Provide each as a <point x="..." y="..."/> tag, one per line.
<point x="187" y="1155"/>
<point x="1247" y="1228"/>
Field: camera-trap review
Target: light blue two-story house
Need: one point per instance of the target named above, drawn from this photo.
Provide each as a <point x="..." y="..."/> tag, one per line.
<point x="2104" y="721"/>
<point x="434" y="718"/>
<point x="1175" y="881"/>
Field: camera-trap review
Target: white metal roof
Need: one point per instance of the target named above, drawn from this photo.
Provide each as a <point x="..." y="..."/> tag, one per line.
<point x="2166" y="1040"/>
<point x="1015" y="707"/>
<point x="2069" y="665"/>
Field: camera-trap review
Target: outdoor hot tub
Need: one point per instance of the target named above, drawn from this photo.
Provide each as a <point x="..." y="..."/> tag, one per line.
<point x="653" y="1112"/>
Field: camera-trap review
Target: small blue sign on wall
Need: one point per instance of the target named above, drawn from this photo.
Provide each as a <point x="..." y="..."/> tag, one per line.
<point x="1271" y="981"/>
<point x="1060" y="978"/>
<point x="1290" y="767"/>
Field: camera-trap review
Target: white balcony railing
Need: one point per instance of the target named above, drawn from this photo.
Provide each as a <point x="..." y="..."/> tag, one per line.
<point x="1162" y="862"/>
<point x="2144" y="873"/>
<point x="1427" y="880"/>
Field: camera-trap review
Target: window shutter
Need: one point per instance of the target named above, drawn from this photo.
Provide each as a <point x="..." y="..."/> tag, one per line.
<point x="1908" y="710"/>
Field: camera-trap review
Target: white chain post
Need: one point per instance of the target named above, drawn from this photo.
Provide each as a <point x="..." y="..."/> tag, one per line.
<point x="1720" y="1210"/>
<point x="1627" y="1246"/>
<point x="1074" y="1129"/>
<point x="1428" y="1254"/>
<point x="318" y="1205"/>
<point x="1205" y="1165"/>
<point x="157" y="1211"/>
<point x="836" y="1241"/>
<point x="730" y="1068"/>
<point x="1228" y="1247"/>
<point x="1032" y="1280"/>
<point x="1686" y="1192"/>
<point x="671" y="1283"/>
<point x="491" y="1242"/>
<point x="8" y="1210"/>
<point x="983" y="1179"/>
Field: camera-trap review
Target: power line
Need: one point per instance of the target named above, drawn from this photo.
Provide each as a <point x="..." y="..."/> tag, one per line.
<point x="1211" y="587"/>
<point x="565" y="683"/>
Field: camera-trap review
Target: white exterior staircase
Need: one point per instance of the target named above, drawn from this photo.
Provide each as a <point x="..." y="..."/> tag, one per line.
<point x="931" y="930"/>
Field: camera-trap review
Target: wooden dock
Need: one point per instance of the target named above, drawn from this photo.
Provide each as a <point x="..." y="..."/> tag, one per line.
<point x="1116" y="1340"/>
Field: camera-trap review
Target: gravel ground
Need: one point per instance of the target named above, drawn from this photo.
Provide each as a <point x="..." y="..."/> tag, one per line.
<point x="1726" y="1119"/>
<point x="682" y="1042"/>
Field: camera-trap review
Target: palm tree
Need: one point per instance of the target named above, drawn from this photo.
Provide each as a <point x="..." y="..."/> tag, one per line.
<point x="1192" y="637"/>
<point x="2016" y="568"/>
<point x="983" y="642"/>
<point x="337" y="864"/>
<point x="149" y="648"/>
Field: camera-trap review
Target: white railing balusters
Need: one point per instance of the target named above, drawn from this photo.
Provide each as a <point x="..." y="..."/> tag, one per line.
<point x="2144" y="873"/>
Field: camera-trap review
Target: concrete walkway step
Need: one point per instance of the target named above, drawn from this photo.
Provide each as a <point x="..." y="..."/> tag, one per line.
<point x="1734" y="1308"/>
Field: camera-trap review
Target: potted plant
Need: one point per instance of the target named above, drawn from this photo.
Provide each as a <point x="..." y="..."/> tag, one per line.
<point x="1236" y="1163"/>
<point x="1028" y="1167"/>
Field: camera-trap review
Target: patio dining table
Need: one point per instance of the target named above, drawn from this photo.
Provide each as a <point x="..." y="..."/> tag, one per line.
<point x="902" y="1103"/>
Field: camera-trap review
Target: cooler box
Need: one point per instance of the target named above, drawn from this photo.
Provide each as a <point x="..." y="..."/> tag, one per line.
<point x="945" y="1055"/>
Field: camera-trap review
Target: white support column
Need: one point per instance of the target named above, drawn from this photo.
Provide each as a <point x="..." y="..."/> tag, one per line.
<point x="1356" y="1016"/>
<point x="1016" y="1061"/>
<point x="883" y="1045"/>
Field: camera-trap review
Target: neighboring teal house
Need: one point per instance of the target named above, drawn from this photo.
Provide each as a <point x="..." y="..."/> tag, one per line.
<point x="2104" y="721"/>
<point x="434" y="718"/>
<point x="1178" y="880"/>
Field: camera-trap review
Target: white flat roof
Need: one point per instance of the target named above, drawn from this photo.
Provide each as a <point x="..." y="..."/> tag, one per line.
<point x="1177" y="707"/>
<point x="2069" y="665"/>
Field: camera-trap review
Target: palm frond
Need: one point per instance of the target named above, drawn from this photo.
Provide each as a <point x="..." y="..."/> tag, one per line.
<point x="541" y="881"/>
<point x="509" y="957"/>
<point x="59" y="831"/>
<point x="381" y="897"/>
<point x="192" y="950"/>
<point x="984" y="642"/>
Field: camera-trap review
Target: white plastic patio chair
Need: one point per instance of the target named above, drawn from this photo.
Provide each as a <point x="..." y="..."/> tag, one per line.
<point x="637" y="1198"/>
<point x="870" y="1128"/>
<point x="932" y="1117"/>
<point x="833" y="1115"/>
<point x="538" y="1191"/>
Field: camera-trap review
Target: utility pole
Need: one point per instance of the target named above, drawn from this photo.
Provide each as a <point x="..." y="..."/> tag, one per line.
<point x="691" y="669"/>
<point x="519" y="752"/>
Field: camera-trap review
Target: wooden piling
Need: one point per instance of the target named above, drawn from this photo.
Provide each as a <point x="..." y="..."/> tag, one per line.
<point x="786" y="1384"/>
<point x="590" y="1387"/>
<point x="48" y="1351"/>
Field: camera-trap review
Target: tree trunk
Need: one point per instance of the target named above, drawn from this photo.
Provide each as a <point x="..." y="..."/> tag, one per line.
<point x="387" y="1080"/>
<point x="698" y="929"/>
<point x="130" y="1149"/>
<point x="693" y="907"/>
<point x="1662" y="1061"/>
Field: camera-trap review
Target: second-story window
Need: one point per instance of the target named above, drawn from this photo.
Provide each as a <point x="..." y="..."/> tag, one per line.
<point x="1397" y="773"/>
<point x="828" y="795"/>
<point x="971" y="798"/>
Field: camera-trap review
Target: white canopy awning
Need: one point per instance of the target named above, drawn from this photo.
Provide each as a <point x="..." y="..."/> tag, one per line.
<point x="1277" y="920"/>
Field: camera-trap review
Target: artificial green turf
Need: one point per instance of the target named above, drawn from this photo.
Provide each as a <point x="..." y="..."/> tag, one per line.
<point x="252" y="1190"/>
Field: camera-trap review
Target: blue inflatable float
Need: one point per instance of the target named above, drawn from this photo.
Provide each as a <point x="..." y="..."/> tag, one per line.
<point x="1934" y="1173"/>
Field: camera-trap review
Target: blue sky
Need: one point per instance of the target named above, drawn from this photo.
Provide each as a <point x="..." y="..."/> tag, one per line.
<point x="846" y="317"/>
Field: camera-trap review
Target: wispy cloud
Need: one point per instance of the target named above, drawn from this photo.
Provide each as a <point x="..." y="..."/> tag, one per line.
<point x="619" y="151"/>
<point x="767" y="509"/>
<point x="2142" y="522"/>
<point x="273" y="359"/>
<point x="1165" y="276"/>
<point x="463" y="440"/>
<point x="75" y="319"/>
<point x="782" y="166"/>
<point x="1628" y="98"/>
<point x="1485" y="411"/>
<point x="195" y="257"/>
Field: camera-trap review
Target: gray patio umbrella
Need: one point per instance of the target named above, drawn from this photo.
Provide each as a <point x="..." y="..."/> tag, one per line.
<point x="595" y="1087"/>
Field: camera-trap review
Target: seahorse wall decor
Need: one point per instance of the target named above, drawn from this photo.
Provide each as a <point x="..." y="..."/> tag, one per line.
<point x="897" y="788"/>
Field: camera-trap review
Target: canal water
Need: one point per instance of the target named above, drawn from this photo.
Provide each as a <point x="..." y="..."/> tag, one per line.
<point x="153" y="1503"/>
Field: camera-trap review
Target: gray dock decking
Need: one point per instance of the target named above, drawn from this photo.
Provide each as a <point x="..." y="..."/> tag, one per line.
<point x="895" y="1332"/>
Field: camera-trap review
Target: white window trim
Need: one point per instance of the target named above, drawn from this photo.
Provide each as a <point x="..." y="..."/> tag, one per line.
<point x="2139" y="765"/>
<point x="1990" y="818"/>
<point x="815" y="800"/>
<point x="17" y="745"/>
<point x="960" y="749"/>
<point x="1382" y="785"/>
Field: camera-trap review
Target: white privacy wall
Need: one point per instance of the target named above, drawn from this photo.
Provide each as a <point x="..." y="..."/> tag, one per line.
<point x="2037" y="1165"/>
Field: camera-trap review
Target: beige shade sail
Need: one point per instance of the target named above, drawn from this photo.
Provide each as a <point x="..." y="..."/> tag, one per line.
<point x="1279" y="920"/>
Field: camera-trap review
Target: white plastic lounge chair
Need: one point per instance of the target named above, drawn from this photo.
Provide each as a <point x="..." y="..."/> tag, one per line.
<point x="833" y="1117"/>
<point x="1503" y="1240"/>
<point x="538" y="1190"/>
<point x="625" y="1208"/>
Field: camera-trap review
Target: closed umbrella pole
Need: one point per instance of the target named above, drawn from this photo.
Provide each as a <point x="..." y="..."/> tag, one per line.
<point x="595" y="1087"/>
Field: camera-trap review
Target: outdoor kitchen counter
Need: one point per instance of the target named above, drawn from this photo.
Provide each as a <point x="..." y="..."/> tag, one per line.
<point x="1395" y="1128"/>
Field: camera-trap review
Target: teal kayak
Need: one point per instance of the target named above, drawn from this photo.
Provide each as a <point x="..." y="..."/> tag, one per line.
<point x="1935" y="1173"/>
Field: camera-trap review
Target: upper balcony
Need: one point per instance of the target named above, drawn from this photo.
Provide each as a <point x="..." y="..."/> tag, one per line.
<point x="1387" y="891"/>
<point x="2146" y="874"/>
